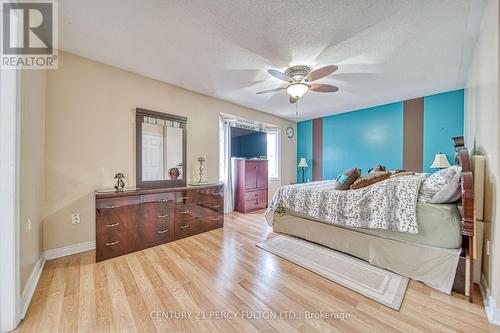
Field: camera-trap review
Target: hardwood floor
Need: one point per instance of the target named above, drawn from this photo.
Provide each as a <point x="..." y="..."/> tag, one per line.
<point x="172" y="287"/>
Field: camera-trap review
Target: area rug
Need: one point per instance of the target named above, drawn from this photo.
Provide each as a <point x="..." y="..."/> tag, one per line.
<point x="378" y="284"/>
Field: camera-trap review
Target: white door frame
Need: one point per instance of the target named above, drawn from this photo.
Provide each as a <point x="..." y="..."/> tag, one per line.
<point x="10" y="294"/>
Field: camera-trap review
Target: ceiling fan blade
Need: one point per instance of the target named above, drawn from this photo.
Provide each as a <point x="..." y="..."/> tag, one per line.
<point x="270" y="90"/>
<point x="322" y="87"/>
<point x="279" y="75"/>
<point x="320" y="73"/>
<point x="293" y="99"/>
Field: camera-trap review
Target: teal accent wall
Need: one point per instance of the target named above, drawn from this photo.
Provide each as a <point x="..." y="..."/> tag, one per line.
<point x="372" y="136"/>
<point x="362" y="139"/>
<point x="304" y="148"/>
<point x="443" y="119"/>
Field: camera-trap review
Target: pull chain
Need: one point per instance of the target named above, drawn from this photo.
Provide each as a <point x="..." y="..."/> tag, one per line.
<point x="297" y="109"/>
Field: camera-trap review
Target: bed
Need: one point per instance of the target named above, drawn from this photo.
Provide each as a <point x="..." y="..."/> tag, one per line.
<point x="431" y="254"/>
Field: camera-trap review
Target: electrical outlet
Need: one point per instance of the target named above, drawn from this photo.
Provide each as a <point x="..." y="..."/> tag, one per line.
<point x="29" y="225"/>
<point x="75" y="218"/>
<point x="488" y="247"/>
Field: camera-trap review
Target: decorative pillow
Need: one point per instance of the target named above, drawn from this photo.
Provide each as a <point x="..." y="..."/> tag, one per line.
<point x="371" y="178"/>
<point x="394" y="171"/>
<point x="442" y="186"/>
<point x="347" y="178"/>
<point x="377" y="168"/>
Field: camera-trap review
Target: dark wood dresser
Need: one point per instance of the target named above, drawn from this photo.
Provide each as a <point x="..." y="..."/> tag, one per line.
<point x="250" y="183"/>
<point x="134" y="220"/>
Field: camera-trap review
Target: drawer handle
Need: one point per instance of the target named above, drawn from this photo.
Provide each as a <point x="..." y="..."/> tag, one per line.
<point x="164" y="215"/>
<point x="111" y="225"/>
<point x="216" y="218"/>
<point x="185" y="198"/>
<point x="113" y="206"/>
<point x="184" y="212"/>
<point x="163" y="200"/>
<point x="162" y="231"/>
<point x="216" y="206"/>
<point x="112" y="243"/>
<point x="184" y="226"/>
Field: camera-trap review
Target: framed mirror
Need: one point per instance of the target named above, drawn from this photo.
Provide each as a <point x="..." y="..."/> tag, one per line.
<point x="160" y="149"/>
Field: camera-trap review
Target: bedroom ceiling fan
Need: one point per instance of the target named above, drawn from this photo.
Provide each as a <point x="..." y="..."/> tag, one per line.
<point x="299" y="78"/>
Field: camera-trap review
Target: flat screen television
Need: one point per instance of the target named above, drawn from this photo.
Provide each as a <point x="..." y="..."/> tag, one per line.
<point x="247" y="143"/>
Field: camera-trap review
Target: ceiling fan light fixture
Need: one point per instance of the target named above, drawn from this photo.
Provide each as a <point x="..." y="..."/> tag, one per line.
<point x="297" y="90"/>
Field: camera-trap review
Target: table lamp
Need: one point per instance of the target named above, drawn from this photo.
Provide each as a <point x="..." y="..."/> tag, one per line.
<point x="440" y="161"/>
<point x="303" y="165"/>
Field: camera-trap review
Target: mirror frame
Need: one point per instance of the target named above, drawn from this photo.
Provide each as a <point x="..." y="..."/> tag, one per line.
<point x="139" y="116"/>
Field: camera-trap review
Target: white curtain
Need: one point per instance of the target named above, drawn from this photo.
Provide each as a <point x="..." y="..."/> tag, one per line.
<point x="225" y="167"/>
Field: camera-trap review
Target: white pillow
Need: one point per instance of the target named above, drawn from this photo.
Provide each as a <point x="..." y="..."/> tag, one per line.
<point x="442" y="186"/>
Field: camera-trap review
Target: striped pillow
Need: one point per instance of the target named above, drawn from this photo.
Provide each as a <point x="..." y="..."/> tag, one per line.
<point x="347" y="178"/>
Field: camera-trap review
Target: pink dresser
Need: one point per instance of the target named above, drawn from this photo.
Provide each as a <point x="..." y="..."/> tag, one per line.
<point x="250" y="181"/>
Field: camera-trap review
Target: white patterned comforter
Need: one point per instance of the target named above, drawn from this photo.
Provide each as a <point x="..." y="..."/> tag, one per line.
<point x="390" y="204"/>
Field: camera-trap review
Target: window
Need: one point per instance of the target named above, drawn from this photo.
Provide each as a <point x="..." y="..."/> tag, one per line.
<point x="273" y="154"/>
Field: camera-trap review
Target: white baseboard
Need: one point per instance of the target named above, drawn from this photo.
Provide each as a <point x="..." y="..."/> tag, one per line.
<point x="490" y="306"/>
<point x="30" y="287"/>
<point x="69" y="250"/>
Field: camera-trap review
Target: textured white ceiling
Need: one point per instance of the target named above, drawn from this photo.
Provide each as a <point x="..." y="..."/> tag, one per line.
<point x="386" y="50"/>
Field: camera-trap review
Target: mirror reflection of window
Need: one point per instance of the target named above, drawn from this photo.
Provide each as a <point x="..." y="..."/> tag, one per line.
<point x="161" y="149"/>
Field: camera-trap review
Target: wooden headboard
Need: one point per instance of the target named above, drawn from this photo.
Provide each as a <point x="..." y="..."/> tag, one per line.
<point x="466" y="185"/>
<point x="462" y="158"/>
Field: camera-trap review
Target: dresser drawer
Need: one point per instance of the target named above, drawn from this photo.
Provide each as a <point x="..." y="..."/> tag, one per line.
<point x="256" y="195"/>
<point x="212" y="222"/>
<point x="186" y="197"/>
<point x="215" y="205"/>
<point x="162" y="198"/>
<point x="251" y="205"/>
<point x="156" y="225"/>
<point x="152" y="234"/>
<point x="211" y="194"/>
<point x="198" y="210"/>
<point x="155" y="211"/>
<point x="186" y="226"/>
<point x="194" y="225"/>
<point x="109" y="227"/>
<point x="111" y="247"/>
<point x="199" y="195"/>
<point x="116" y="231"/>
<point x="113" y="203"/>
<point x="255" y="200"/>
<point x="115" y="221"/>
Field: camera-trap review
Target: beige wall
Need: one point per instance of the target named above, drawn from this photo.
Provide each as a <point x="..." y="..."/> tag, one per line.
<point x="482" y="126"/>
<point x="90" y="135"/>
<point x="32" y="168"/>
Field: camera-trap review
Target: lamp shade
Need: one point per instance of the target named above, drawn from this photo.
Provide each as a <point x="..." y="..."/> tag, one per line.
<point x="303" y="163"/>
<point x="440" y="161"/>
